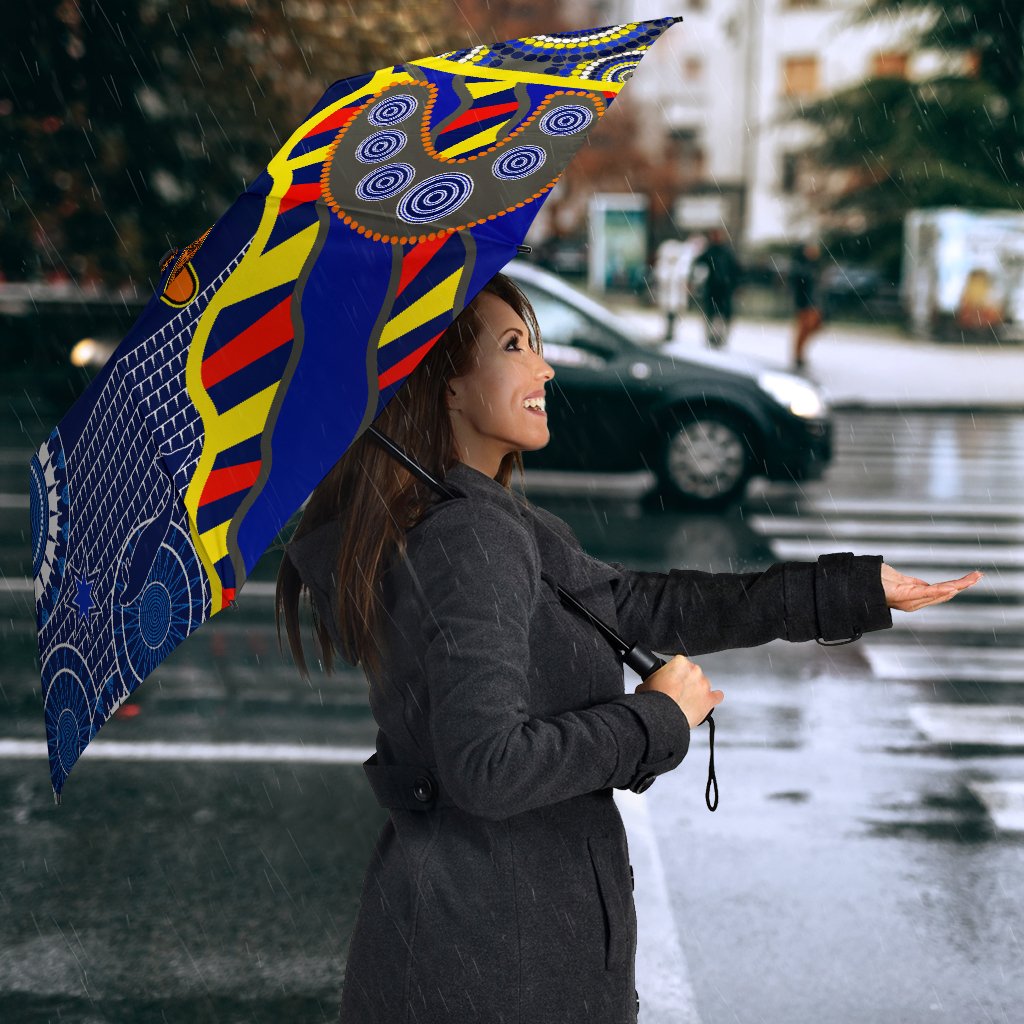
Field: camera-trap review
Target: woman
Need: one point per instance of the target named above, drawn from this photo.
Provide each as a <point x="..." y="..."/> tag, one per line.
<point x="500" y="886"/>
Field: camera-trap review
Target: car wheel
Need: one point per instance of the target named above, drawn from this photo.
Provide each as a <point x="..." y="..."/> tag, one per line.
<point x="705" y="461"/>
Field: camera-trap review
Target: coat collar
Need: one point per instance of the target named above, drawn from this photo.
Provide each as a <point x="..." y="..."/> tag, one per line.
<point x="474" y="484"/>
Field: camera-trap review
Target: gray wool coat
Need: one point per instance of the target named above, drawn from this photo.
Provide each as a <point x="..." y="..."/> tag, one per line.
<point x="500" y="889"/>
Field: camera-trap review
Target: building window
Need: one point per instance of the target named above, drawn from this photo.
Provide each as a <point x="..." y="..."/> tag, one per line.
<point x="686" y="150"/>
<point x="800" y="76"/>
<point x="889" y="64"/>
<point x="790" y="171"/>
<point x="693" y="69"/>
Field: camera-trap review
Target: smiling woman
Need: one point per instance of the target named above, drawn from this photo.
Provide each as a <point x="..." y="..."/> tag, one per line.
<point x="500" y="886"/>
<point x="499" y="406"/>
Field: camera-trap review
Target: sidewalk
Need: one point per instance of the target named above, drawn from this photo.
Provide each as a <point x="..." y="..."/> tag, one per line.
<point x="863" y="365"/>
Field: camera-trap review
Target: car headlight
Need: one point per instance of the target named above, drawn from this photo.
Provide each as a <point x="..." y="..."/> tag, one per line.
<point x="799" y="397"/>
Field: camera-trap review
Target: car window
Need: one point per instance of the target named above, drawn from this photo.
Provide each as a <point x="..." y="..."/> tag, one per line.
<point x="564" y="326"/>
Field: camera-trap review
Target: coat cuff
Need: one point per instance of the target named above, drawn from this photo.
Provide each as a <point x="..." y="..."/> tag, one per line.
<point x="849" y="596"/>
<point x="668" y="735"/>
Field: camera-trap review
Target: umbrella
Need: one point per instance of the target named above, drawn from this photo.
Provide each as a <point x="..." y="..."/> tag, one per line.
<point x="276" y="338"/>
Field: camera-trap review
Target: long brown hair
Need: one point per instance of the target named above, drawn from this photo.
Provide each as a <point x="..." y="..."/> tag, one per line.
<point x="368" y="485"/>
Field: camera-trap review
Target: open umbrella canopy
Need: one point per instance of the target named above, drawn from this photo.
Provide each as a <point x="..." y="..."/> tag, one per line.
<point x="276" y="338"/>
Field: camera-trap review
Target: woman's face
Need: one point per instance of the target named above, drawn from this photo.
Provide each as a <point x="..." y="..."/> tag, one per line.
<point x="488" y="416"/>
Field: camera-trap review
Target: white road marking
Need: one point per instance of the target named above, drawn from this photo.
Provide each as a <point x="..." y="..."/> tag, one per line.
<point x="912" y="507"/>
<point x="950" y="617"/>
<point x="971" y="556"/>
<point x="953" y="664"/>
<point x="662" y="975"/>
<point x="116" y="750"/>
<point x="1004" y="802"/>
<point x="906" y="529"/>
<point x="972" y="725"/>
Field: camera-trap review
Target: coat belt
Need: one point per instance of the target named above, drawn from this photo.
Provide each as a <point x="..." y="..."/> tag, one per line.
<point x="405" y="787"/>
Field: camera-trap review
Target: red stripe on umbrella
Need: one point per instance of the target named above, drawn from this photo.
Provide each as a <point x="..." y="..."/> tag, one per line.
<point x="405" y="366"/>
<point x="417" y="258"/>
<point x="480" y="114"/>
<point x="272" y="330"/>
<point x="305" y="193"/>
<point x="230" y="480"/>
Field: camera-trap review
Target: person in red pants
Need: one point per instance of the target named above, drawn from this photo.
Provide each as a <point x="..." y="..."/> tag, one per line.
<point x="803" y="280"/>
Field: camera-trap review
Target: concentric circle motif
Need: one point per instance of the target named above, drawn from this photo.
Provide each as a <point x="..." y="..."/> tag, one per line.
<point x="518" y="163"/>
<point x="434" y="198"/>
<point x="385" y="182"/>
<point x="171" y="605"/>
<point x="381" y="146"/>
<point x="567" y="119"/>
<point x="392" y="110"/>
<point x="618" y="68"/>
<point x="48" y="509"/>
<point x="67" y="708"/>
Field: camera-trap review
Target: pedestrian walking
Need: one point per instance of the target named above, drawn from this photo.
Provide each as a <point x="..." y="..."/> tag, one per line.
<point x="500" y="887"/>
<point x="672" y="267"/>
<point x="721" y="273"/>
<point x="803" y="280"/>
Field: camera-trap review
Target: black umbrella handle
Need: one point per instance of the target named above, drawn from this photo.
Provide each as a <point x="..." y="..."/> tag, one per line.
<point x="645" y="663"/>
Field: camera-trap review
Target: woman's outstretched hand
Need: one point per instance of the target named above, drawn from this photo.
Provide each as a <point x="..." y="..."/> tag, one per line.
<point x="908" y="593"/>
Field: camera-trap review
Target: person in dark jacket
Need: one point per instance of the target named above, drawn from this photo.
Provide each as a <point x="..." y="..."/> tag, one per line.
<point x="803" y="281"/>
<point x="721" y="272"/>
<point x="500" y="888"/>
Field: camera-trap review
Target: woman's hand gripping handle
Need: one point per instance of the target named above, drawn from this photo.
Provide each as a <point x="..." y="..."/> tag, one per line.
<point x="687" y="685"/>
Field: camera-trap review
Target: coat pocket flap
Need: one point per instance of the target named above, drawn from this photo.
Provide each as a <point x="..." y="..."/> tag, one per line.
<point x="606" y="855"/>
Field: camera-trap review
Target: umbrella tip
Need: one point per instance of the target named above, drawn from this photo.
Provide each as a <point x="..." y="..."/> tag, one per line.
<point x="56" y="798"/>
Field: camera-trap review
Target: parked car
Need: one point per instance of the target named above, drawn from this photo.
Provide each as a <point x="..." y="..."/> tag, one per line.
<point x="704" y="423"/>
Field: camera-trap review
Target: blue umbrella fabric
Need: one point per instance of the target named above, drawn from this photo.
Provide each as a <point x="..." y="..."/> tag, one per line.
<point x="277" y="337"/>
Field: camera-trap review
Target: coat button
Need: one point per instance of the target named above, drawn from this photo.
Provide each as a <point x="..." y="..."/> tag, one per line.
<point x="643" y="783"/>
<point x="423" y="789"/>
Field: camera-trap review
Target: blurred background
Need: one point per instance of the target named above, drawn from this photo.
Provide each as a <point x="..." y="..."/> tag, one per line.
<point x="864" y="862"/>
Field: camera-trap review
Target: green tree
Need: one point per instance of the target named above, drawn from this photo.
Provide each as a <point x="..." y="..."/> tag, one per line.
<point x="130" y="126"/>
<point x="956" y="138"/>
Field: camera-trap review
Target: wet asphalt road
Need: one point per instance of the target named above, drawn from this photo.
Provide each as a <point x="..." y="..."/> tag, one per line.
<point x="851" y="873"/>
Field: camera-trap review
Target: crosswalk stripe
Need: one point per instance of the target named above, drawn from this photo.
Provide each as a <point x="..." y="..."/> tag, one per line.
<point x="950" y="617"/>
<point x="114" y="750"/>
<point x="952" y="664"/>
<point x="1004" y="802"/>
<point x="951" y="529"/>
<point x="988" y="725"/>
<point x="970" y="556"/>
<point x="878" y="507"/>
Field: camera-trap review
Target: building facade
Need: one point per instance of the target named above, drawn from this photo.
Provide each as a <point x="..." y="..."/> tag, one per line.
<point x="727" y="81"/>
